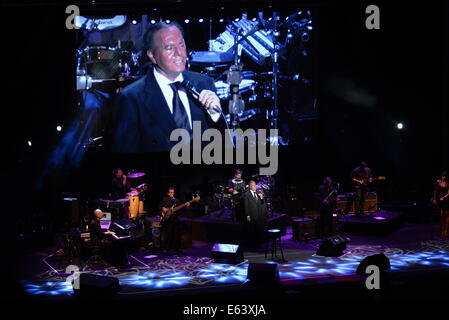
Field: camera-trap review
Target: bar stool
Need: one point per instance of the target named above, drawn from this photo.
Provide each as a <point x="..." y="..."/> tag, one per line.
<point x="275" y="241"/>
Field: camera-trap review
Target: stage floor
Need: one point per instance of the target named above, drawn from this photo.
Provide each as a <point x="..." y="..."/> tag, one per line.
<point x="412" y="248"/>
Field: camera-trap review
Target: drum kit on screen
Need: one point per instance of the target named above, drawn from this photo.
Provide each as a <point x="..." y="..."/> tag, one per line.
<point x="133" y="204"/>
<point x="265" y="42"/>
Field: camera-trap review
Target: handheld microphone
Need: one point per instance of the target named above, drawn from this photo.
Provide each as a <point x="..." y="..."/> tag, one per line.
<point x="189" y="87"/>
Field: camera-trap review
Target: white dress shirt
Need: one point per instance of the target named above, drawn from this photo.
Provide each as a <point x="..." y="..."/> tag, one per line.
<point x="254" y="194"/>
<point x="167" y="91"/>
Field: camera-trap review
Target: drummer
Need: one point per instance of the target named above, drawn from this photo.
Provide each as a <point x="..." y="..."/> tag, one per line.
<point x="236" y="184"/>
<point x="119" y="187"/>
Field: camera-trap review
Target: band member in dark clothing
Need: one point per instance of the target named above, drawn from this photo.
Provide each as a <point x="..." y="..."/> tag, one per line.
<point x="441" y="199"/>
<point x="99" y="238"/>
<point x="326" y="197"/>
<point x="170" y="224"/>
<point x="360" y="177"/>
<point x="236" y="183"/>
<point x="119" y="187"/>
<point x="255" y="210"/>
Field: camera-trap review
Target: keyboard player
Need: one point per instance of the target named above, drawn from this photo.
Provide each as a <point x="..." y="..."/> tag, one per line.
<point x="113" y="245"/>
<point x="97" y="235"/>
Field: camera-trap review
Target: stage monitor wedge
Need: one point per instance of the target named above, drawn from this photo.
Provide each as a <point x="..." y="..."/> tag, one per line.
<point x="332" y="247"/>
<point x="227" y="253"/>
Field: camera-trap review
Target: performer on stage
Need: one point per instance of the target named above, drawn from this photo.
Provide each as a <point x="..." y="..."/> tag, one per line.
<point x="119" y="188"/>
<point x="171" y="225"/>
<point x="236" y="183"/>
<point x="149" y="109"/>
<point x="97" y="235"/>
<point x="360" y="177"/>
<point x="255" y="210"/>
<point x="441" y="199"/>
<point x="326" y="197"/>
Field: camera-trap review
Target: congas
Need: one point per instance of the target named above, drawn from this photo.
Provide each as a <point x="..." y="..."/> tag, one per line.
<point x="135" y="204"/>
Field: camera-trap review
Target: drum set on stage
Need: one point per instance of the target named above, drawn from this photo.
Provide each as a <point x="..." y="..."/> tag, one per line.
<point x="229" y="197"/>
<point x="132" y="206"/>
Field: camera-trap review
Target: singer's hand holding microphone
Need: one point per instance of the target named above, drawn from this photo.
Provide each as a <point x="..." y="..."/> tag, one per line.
<point x="210" y="101"/>
<point x="207" y="98"/>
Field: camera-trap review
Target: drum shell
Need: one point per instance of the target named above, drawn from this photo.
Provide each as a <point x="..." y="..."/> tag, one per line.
<point x="136" y="205"/>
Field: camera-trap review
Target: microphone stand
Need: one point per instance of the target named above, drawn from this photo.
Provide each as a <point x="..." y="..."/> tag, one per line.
<point x="275" y="57"/>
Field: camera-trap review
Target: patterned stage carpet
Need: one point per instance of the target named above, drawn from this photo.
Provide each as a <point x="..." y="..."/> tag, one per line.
<point x="152" y="274"/>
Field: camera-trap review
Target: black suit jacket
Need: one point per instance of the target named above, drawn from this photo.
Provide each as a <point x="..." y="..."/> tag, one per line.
<point x="256" y="209"/>
<point x="143" y="122"/>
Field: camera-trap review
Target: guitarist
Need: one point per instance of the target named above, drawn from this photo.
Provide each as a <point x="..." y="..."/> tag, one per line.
<point x="360" y="177"/>
<point x="326" y="197"/>
<point x="171" y="227"/>
<point x="441" y="199"/>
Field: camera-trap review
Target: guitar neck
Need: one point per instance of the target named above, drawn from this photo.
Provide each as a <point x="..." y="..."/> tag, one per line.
<point x="181" y="206"/>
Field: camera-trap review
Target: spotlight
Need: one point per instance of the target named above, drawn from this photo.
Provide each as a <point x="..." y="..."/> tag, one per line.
<point x="153" y="21"/>
<point x="58" y="128"/>
<point x="201" y="20"/>
<point x="29" y="143"/>
<point x="400" y="125"/>
<point x="221" y="20"/>
<point x="134" y="22"/>
<point x="186" y="20"/>
<point x="237" y="19"/>
<point x="254" y="19"/>
<point x="167" y="21"/>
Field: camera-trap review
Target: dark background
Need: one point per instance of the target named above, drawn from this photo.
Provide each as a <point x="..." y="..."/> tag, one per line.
<point x="367" y="81"/>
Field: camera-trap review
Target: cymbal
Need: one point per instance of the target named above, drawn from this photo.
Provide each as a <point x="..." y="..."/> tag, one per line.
<point x="211" y="57"/>
<point x="136" y="175"/>
<point x="100" y="24"/>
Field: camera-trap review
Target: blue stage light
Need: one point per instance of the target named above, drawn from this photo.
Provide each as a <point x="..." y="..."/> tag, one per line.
<point x="201" y="20"/>
<point x="134" y="22"/>
<point x="186" y="20"/>
<point x="221" y="20"/>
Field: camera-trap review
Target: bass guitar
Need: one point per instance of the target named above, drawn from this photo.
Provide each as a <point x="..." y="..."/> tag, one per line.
<point x="172" y="210"/>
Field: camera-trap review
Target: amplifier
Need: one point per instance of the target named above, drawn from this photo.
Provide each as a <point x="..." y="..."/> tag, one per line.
<point x="370" y="203"/>
<point x="304" y="229"/>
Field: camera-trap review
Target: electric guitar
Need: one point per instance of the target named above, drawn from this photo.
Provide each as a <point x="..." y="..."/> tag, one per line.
<point x="171" y="211"/>
<point x="333" y="192"/>
<point x="365" y="181"/>
<point x="444" y="197"/>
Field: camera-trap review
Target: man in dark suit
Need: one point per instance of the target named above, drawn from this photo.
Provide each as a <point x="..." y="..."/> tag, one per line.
<point x="255" y="210"/>
<point x="171" y="226"/>
<point x="148" y="110"/>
